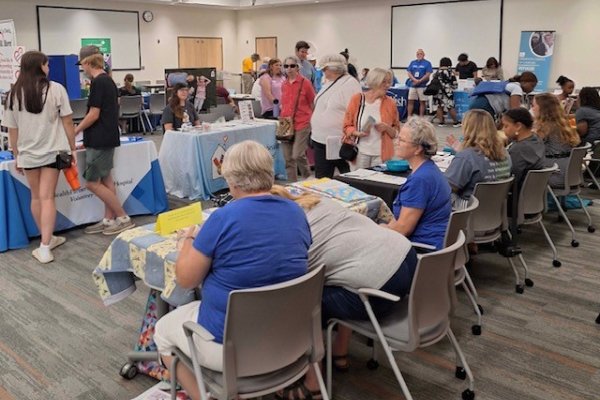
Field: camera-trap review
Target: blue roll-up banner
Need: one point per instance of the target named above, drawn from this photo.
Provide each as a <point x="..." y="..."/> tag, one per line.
<point x="535" y="55"/>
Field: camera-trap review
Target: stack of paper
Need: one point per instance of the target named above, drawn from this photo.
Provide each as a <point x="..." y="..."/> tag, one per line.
<point x="336" y="189"/>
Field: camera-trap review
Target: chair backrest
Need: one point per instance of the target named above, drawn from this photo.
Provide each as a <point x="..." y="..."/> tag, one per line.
<point x="459" y="221"/>
<point x="491" y="213"/>
<point x="532" y="197"/>
<point x="79" y="107"/>
<point x="131" y="105"/>
<point x="156" y="103"/>
<point x="269" y="328"/>
<point x="224" y="110"/>
<point x="573" y="174"/>
<point x="430" y="299"/>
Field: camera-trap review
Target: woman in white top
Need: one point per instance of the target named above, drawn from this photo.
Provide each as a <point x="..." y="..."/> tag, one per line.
<point x="40" y="125"/>
<point x="372" y="118"/>
<point x="328" y="115"/>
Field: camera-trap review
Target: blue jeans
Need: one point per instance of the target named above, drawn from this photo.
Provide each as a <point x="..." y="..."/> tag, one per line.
<point x="343" y="304"/>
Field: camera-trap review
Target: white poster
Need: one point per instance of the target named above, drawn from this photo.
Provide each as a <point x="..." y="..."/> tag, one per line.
<point x="10" y="62"/>
<point x="8" y="35"/>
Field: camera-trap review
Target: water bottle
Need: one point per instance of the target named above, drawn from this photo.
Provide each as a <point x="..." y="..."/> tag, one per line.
<point x="72" y="177"/>
<point x="276" y="108"/>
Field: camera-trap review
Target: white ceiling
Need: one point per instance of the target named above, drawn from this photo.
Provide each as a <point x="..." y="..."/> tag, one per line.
<point x="234" y="4"/>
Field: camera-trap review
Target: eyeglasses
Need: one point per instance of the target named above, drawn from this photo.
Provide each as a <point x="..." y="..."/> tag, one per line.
<point x="290" y="65"/>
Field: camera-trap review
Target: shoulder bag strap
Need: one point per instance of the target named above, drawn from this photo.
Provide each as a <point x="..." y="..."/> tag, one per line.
<point x="298" y="98"/>
<point x="328" y="87"/>
<point x="361" y="110"/>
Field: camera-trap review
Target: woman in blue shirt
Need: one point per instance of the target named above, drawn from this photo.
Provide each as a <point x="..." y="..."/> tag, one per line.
<point x="257" y="240"/>
<point x="422" y="208"/>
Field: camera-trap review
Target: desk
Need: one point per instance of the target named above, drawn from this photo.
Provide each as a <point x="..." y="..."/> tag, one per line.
<point x="400" y="95"/>
<point x="139" y="183"/>
<point x="387" y="192"/>
<point x="191" y="161"/>
<point x="142" y="253"/>
<point x="154" y="88"/>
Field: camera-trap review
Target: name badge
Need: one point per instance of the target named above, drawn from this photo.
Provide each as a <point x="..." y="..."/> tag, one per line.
<point x="417" y="73"/>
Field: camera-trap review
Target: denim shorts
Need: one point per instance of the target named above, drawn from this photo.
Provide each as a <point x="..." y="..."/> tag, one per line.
<point x="341" y="303"/>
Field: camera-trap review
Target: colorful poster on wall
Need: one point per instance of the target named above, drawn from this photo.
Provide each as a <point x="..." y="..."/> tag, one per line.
<point x="104" y="46"/>
<point x="10" y="63"/>
<point x="8" y="35"/>
<point x="535" y="55"/>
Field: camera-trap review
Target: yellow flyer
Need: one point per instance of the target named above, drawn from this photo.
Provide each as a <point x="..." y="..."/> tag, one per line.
<point x="170" y="221"/>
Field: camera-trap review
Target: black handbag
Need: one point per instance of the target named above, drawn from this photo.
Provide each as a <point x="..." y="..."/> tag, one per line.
<point x="348" y="151"/>
<point x="63" y="160"/>
<point x="433" y="87"/>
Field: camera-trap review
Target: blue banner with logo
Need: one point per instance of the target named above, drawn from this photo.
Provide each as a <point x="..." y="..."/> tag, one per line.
<point x="535" y="55"/>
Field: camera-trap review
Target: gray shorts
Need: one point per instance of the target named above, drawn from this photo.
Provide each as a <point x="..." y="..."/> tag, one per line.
<point x="98" y="163"/>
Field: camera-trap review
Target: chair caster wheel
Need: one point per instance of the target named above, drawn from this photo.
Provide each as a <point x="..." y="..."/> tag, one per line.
<point x="460" y="373"/>
<point x="528" y="282"/>
<point x="556" y="263"/>
<point x="128" y="371"/>
<point x="574" y="243"/>
<point x="476" y="330"/>
<point x="480" y="309"/>
<point x="598" y="319"/>
<point x="372" y="364"/>
<point x="468" y="394"/>
<point x="591" y="229"/>
<point x="519" y="289"/>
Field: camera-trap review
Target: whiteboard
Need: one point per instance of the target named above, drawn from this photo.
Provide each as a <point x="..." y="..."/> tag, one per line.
<point x="60" y="30"/>
<point x="446" y="30"/>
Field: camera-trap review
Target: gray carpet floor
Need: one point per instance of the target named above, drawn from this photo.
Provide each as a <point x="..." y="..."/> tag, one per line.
<point x="58" y="341"/>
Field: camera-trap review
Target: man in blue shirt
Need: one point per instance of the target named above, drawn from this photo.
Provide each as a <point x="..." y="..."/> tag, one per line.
<point x="418" y="71"/>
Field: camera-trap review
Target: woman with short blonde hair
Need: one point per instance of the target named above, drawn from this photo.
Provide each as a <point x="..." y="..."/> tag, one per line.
<point x="372" y="120"/>
<point x="234" y="249"/>
<point x="483" y="158"/>
<point x="248" y="166"/>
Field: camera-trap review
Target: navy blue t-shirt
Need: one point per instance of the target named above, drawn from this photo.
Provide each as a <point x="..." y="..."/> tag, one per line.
<point x="253" y="242"/>
<point x="427" y="189"/>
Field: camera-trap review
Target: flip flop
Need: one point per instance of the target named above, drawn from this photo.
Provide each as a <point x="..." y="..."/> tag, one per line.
<point x="297" y="389"/>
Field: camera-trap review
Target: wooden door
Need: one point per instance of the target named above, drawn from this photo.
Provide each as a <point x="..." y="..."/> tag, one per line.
<point x="200" y="52"/>
<point x="266" y="47"/>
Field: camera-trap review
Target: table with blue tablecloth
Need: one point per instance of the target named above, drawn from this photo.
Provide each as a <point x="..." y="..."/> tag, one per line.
<point x="400" y="96"/>
<point x="139" y="184"/>
<point x="191" y="161"/>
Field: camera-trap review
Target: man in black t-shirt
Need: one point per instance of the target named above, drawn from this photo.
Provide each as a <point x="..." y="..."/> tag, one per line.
<point x="465" y="69"/>
<point x="100" y="129"/>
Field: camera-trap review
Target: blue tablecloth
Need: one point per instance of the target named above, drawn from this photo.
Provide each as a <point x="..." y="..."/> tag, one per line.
<point x="139" y="182"/>
<point x="400" y="95"/>
<point x="191" y="161"/>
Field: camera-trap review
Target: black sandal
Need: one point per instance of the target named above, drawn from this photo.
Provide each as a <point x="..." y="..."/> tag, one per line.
<point x="297" y="389"/>
<point x="341" y="366"/>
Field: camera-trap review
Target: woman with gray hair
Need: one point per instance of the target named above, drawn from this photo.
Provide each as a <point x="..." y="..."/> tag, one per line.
<point x="328" y="115"/>
<point x="423" y="206"/>
<point x="232" y="251"/>
<point x="297" y="97"/>
<point x="372" y="120"/>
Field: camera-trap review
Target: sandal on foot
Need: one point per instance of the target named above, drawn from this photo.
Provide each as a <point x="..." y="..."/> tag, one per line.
<point x="340" y="363"/>
<point x="299" y="391"/>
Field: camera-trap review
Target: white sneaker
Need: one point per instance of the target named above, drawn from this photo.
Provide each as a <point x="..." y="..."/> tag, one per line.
<point x="56" y="241"/>
<point x="121" y="224"/>
<point x="44" y="256"/>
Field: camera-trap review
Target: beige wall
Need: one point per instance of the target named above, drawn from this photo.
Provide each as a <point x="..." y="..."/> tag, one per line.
<point x="169" y="23"/>
<point x="362" y="26"/>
